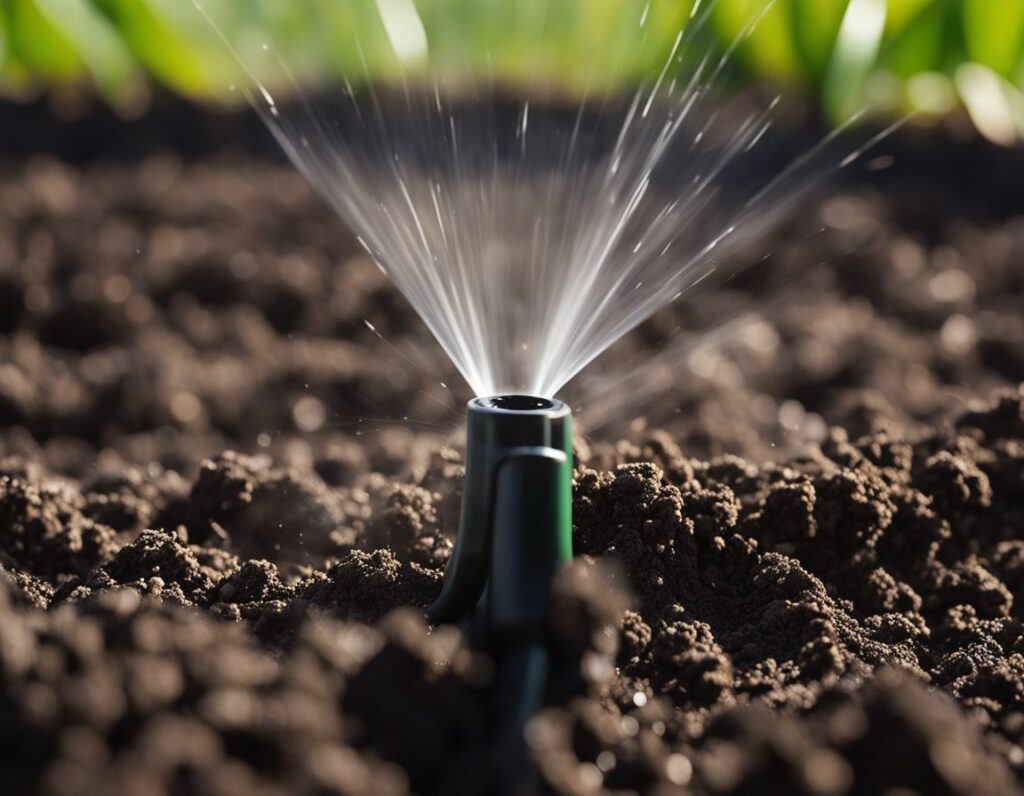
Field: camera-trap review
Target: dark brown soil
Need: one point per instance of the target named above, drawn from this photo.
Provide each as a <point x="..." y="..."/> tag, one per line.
<point x="224" y="498"/>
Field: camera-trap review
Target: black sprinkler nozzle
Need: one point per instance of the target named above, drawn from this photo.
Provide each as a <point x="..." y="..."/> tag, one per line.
<point x="516" y="523"/>
<point x="514" y="533"/>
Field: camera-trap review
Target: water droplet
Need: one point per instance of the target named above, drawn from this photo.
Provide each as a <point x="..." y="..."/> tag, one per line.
<point x="678" y="769"/>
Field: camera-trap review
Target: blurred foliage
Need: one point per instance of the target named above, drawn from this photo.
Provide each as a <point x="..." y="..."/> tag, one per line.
<point x="891" y="55"/>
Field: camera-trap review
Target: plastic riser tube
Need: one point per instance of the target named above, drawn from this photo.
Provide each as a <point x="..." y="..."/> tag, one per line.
<point x="514" y="533"/>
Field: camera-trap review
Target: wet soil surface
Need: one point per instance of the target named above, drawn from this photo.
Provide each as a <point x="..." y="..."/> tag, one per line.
<point x="225" y="497"/>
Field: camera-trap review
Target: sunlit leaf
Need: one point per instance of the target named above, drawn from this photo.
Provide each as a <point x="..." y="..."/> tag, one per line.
<point x="96" y="42"/>
<point x="38" y="45"/>
<point x="994" y="32"/>
<point x="996" y="106"/>
<point x="857" y="45"/>
<point x="170" y="44"/>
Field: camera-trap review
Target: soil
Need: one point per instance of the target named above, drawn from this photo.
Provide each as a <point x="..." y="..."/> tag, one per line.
<point x="225" y="499"/>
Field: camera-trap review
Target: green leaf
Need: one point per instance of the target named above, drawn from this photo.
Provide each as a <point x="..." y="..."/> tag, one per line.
<point x="173" y="42"/>
<point x="857" y="45"/>
<point x="996" y="107"/>
<point x="770" y="47"/>
<point x="815" y="25"/>
<point x="3" y="41"/>
<point x="901" y="13"/>
<point x="38" y="45"/>
<point x="994" y="32"/>
<point x="96" y="43"/>
<point x="920" y="45"/>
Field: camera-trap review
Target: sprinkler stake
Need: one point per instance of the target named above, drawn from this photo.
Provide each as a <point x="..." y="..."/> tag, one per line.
<point x="514" y="533"/>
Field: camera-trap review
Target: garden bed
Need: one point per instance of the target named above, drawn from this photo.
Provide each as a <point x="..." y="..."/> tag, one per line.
<point x="224" y="498"/>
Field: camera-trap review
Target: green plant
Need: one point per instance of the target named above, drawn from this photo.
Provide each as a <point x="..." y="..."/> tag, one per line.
<point x="896" y="56"/>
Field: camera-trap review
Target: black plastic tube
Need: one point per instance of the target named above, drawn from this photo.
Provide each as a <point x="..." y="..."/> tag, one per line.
<point x="516" y="523"/>
<point x="514" y="533"/>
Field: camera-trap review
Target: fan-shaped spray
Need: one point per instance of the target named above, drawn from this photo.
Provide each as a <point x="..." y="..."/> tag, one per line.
<point x="530" y="218"/>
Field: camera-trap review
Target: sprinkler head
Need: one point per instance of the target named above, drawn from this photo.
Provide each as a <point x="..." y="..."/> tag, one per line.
<point x="516" y="524"/>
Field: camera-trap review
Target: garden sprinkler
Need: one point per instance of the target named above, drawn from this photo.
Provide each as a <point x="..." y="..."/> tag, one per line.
<point x="514" y="534"/>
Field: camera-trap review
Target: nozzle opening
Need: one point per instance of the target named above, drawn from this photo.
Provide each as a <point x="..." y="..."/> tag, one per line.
<point x="518" y="403"/>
